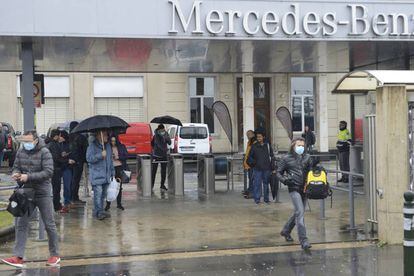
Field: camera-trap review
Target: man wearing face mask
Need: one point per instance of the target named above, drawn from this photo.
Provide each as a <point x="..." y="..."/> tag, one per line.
<point x="159" y="144"/>
<point x="33" y="168"/>
<point x="343" y="145"/>
<point x="292" y="171"/>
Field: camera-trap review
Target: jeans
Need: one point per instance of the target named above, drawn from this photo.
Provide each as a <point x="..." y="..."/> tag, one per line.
<point x="163" y="171"/>
<point x="99" y="197"/>
<point x="67" y="185"/>
<point x="344" y="163"/>
<point x="250" y="179"/>
<point x="77" y="175"/>
<point x="261" y="178"/>
<point x="56" y="185"/>
<point x="45" y="206"/>
<point x="1" y="156"/>
<point x="298" y="217"/>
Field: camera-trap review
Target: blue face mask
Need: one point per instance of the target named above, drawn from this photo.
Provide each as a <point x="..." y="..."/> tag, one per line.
<point x="300" y="150"/>
<point x="28" y="146"/>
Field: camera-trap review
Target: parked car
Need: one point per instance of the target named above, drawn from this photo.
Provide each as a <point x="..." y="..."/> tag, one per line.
<point x="12" y="144"/>
<point x="137" y="138"/>
<point x="190" y="139"/>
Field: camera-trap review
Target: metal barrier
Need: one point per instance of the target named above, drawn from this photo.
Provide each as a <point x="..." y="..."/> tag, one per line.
<point x="351" y="196"/>
<point x="218" y="162"/>
<point x="176" y="174"/>
<point x="206" y="174"/>
<point x="144" y="181"/>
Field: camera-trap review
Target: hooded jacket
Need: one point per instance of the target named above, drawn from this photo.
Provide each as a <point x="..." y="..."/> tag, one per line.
<point x="101" y="170"/>
<point x="261" y="157"/>
<point x="38" y="165"/>
<point x="293" y="169"/>
<point x="160" y="144"/>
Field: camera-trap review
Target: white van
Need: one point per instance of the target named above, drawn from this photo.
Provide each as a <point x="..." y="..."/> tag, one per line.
<point x="190" y="139"/>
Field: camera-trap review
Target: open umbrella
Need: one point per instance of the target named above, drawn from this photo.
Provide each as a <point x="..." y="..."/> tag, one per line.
<point x="168" y="120"/>
<point x="101" y="122"/>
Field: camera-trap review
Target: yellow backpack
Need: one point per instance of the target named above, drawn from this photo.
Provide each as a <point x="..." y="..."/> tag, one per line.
<point x="317" y="186"/>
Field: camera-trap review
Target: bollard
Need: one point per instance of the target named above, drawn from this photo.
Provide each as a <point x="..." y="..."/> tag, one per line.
<point x="144" y="178"/>
<point x="351" y="204"/>
<point x="408" y="233"/>
<point x="176" y="175"/>
<point x="206" y="174"/>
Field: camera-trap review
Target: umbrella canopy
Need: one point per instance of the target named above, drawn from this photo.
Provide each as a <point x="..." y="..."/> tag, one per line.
<point x="168" y="120"/>
<point x="100" y="122"/>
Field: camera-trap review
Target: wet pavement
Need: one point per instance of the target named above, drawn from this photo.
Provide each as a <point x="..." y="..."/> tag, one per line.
<point x="342" y="259"/>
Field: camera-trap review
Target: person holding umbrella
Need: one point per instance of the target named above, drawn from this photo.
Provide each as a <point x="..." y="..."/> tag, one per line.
<point x="159" y="144"/>
<point x="101" y="170"/>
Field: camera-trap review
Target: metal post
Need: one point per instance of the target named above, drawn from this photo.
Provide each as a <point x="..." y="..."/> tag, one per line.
<point x="27" y="86"/>
<point x="322" y="209"/>
<point x="351" y="204"/>
<point x="408" y="233"/>
<point x="232" y="174"/>
<point x="228" y="172"/>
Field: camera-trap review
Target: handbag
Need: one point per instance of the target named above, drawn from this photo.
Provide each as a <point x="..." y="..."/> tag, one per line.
<point x="113" y="190"/>
<point x="125" y="176"/>
<point x="21" y="202"/>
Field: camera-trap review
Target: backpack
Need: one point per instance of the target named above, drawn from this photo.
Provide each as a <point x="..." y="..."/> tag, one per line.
<point x="21" y="202"/>
<point x="317" y="186"/>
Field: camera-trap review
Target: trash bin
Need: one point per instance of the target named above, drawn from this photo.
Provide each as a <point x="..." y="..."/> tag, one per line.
<point x="206" y="174"/>
<point x="176" y="175"/>
<point x="144" y="174"/>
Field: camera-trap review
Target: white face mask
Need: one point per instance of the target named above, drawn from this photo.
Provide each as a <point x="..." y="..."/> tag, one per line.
<point x="300" y="150"/>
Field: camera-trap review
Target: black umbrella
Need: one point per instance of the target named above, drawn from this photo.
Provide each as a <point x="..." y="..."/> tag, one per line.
<point x="168" y="120"/>
<point x="274" y="185"/>
<point x="101" y="122"/>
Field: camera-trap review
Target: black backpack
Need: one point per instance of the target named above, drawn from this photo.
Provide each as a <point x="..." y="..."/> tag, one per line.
<point x="21" y="202"/>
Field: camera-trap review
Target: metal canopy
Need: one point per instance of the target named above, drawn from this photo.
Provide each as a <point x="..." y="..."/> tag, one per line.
<point x="368" y="80"/>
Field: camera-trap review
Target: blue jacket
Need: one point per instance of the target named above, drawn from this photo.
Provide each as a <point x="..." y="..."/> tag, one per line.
<point x="100" y="170"/>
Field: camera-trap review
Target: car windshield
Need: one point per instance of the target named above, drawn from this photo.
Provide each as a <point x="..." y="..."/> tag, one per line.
<point x="193" y="133"/>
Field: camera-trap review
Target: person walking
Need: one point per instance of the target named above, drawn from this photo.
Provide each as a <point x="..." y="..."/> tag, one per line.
<point x="33" y="168"/>
<point x="58" y="161"/>
<point x="251" y="140"/>
<point x="101" y="170"/>
<point x="343" y="146"/>
<point x="310" y="139"/>
<point x="67" y="171"/>
<point x="79" y="144"/>
<point x="260" y="159"/>
<point x="159" y="144"/>
<point x="292" y="172"/>
<point x="119" y="159"/>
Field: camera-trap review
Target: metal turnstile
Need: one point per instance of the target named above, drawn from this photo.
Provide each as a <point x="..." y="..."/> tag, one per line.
<point x="144" y="174"/>
<point x="176" y="174"/>
<point x="206" y="174"/>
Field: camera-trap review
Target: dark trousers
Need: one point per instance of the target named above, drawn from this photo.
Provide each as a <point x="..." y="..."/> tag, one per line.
<point x="344" y="163"/>
<point x="77" y="175"/>
<point x="56" y="186"/>
<point x="118" y="174"/>
<point x="163" y="170"/>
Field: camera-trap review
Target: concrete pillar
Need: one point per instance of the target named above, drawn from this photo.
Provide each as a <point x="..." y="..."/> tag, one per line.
<point x="322" y="97"/>
<point x="392" y="158"/>
<point x="27" y="86"/>
<point x="248" y="105"/>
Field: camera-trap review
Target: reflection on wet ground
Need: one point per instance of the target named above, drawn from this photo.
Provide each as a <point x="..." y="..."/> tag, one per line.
<point x="356" y="260"/>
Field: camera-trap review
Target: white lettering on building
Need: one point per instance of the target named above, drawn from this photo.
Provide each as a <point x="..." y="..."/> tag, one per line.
<point x="295" y="22"/>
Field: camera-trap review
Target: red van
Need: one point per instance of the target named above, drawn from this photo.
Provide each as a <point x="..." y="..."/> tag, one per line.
<point x="137" y="138"/>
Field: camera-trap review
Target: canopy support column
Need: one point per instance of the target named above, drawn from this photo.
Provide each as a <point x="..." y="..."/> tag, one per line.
<point x="27" y="86"/>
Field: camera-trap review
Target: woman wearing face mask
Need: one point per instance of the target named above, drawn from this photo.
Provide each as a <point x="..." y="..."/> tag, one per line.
<point x="159" y="144"/>
<point x="292" y="171"/>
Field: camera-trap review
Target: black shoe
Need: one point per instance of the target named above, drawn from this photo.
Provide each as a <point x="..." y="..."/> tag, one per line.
<point x="108" y="206"/>
<point x="306" y="246"/>
<point x="120" y="207"/>
<point x="287" y="237"/>
<point x="163" y="188"/>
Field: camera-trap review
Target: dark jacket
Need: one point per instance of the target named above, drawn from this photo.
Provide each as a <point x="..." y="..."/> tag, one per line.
<point x="309" y="137"/>
<point x="293" y="169"/>
<point x="56" y="151"/>
<point x="3" y="139"/>
<point x="100" y="170"/>
<point x="160" y="144"/>
<point x="66" y="147"/>
<point x="122" y="155"/>
<point x="78" y="145"/>
<point x="260" y="157"/>
<point x="38" y="165"/>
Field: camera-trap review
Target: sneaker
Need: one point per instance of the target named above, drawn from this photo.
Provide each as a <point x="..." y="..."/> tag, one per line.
<point x="53" y="261"/>
<point x="14" y="261"/>
<point x="287" y="237"/>
<point x="120" y="207"/>
<point x="163" y="188"/>
<point x="306" y="245"/>
<point x="108" y="206"/>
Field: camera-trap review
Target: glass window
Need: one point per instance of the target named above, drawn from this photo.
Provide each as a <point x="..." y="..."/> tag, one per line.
<point x="201" y="101"/>
<point x="303" y="107"/>
<point x="193" y="133"/>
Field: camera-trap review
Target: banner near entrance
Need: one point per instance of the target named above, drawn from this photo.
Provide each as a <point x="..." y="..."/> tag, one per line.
<point x="284" y="116"/>
<point x="223" y="115"/>
<point x="38" y="90"/>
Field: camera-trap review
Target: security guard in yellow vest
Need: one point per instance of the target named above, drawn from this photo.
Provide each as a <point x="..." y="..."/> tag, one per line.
<point x="343" y="145"/>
